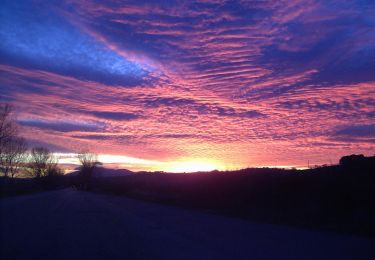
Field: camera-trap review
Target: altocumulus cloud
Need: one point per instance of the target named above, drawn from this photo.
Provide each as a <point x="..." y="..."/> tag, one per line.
<point x="212" y="75"/>
<point x="356" y="130"/>
<point x="63" y="126"/>
<point x="355" y="133"/>
<point x="38" y="39"/>
<point x="119" y="116"/>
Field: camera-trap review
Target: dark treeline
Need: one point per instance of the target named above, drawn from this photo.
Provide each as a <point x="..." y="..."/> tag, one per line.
<point x="15" y="156"/>
<point x="338" y="198"/>
<point x="37" y="165"/>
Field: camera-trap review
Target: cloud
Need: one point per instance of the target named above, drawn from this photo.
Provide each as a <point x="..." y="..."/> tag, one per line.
<point x="356" y="131"/>
<point x="245" y="114"/>
<point x="94" y="137"/>
<point x="120" y="116"/>
<point x="51" y="146"/>
<point x="175" y="136"/>
<point x="243" y="82"/>
<point x="168" y="101"/>
<point x="54" y="44"/>
<point x="61" y="126"/>
<point x="201" y="108"/>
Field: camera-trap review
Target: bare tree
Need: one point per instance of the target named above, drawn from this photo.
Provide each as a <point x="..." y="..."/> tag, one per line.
<point x="12" y="147"/>
<point x="7" y="126"/>
<point x="88" y="161"/>
<point x="54" y="170"/>
<point x="13" y="156"/>
<point x="42" y="162"/>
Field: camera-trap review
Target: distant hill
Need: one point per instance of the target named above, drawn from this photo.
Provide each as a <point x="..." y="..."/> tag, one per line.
<point x="104" y="172"/>
<point x="337" y="197"/>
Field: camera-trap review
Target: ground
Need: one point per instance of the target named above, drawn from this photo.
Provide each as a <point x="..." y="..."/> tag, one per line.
<point x="70" y="224"/>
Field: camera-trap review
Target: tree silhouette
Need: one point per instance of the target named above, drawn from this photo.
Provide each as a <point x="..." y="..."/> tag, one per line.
<point x="7" y="125"/>
<point x="88" y="161"/>
<point x="13" y="156"/>
<point x="12" y="147"/>
<point x="42" y="163"/>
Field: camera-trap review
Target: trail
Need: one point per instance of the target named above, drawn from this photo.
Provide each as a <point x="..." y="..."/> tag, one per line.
<point x="69" y="224"/>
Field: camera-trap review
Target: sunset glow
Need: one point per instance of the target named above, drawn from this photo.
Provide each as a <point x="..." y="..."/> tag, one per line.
<point x="194" y="166"/>
<point x="154" y="85"/>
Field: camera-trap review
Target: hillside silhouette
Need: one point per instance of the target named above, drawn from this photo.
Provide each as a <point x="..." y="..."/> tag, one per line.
<point x="339" y="198"/>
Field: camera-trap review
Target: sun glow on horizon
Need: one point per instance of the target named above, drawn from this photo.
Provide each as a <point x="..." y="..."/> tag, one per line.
<point x="178" y="166"/>
<point x="71" y="158"/>
<point x="194" y="166"/>
<point x="181" y="165"/>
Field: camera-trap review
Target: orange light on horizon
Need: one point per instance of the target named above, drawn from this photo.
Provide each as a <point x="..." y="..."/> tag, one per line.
<point x="180" y="165"/>
<point x="194" y="165"/>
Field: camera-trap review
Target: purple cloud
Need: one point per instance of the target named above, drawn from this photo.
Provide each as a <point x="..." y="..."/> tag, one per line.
<point x="243" y="82"/>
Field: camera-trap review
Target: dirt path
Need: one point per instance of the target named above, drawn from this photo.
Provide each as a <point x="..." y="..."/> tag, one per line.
<point x="69" y="224"/>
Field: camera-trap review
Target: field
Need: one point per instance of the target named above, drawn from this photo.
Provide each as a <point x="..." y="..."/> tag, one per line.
<point x="327" y="198"/>
<point x="70" y="224"/>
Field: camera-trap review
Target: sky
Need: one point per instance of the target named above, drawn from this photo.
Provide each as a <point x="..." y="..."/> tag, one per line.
<point x="192" y="85"/>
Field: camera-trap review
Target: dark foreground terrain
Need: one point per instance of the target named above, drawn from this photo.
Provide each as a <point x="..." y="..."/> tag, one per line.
<point x="338" y="198"/>
<point x="69" y="224"/>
